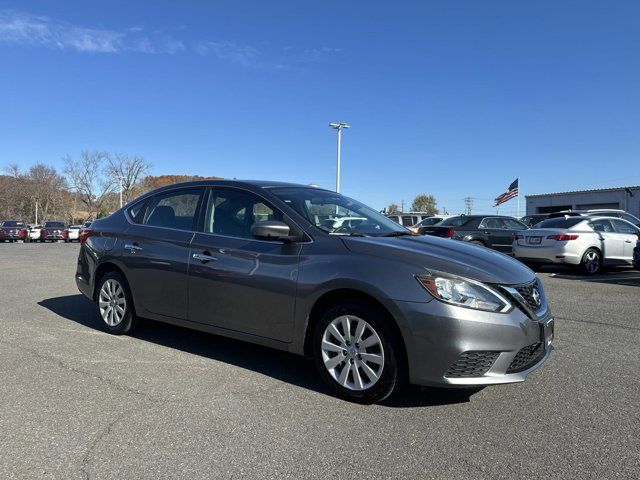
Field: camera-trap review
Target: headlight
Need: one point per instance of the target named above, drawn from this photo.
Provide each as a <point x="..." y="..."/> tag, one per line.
<point x="463" y="292"/>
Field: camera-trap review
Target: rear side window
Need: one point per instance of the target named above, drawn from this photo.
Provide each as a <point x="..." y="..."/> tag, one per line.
<point x="624" y="227"/>
<point x="496" y="223"/>
<point x="407" y="221"/>
<point x="602" y="226"/>
<point x="177" y="209"/>
<point x="512" y="224"/>
<point x="135" y="213"/>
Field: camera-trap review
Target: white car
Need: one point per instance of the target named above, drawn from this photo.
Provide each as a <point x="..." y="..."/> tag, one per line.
<point x="589" y="242"/>
<point x="342" y="223"/>
<point x="34" y="233"/>
<point x="74" y="233"/>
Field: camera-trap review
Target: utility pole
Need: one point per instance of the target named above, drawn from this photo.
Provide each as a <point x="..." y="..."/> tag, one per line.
<point x="468" y="201"/>
<point x="338" y="127"/>
<point x="36" y="212"/>
<point x="402" y="206"/>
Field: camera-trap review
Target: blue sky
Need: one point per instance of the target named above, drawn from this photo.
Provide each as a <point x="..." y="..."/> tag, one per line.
<point x="453" y="98"/>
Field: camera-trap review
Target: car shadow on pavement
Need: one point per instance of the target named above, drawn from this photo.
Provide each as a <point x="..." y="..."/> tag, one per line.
<point x="277" y="364"/>
<point x="611" y="275"/>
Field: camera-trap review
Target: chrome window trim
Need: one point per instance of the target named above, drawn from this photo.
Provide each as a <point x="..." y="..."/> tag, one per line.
<point x="205" y="188"/>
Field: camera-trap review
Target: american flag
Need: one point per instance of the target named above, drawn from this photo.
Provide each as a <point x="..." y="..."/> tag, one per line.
<point x="512" y="192"/>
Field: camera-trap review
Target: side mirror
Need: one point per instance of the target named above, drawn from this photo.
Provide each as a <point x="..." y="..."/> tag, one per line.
<point x="271" y="230"/>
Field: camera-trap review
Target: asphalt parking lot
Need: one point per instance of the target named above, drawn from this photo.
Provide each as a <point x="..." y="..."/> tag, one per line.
<point x="169" y="402"/>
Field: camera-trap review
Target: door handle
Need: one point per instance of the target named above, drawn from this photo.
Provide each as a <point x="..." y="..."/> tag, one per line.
<point x="627" y="241"/>
<point x="488" y="233"/>
<point x="132" y="247"/>
<point x="203" y="257"/>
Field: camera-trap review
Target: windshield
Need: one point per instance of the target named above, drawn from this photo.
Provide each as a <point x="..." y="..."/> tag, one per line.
<point x="54" y="225"/>
<point x="11" y="223"/>
<point x="454" y="222"/>
<point x="560" y="222"/>
<point x="335" y="213"/>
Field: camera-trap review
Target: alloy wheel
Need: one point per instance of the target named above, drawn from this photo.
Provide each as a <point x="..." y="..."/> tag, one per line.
<point x="112" y="302"/>
<point x="592" y="261"/>
<point x="352" y="352"/>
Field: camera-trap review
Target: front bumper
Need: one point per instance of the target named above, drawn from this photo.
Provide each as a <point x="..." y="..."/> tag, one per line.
<point x="546" y="254"/>
<point x="438" y="337"/>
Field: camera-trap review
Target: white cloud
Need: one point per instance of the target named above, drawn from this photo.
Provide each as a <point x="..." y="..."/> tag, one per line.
<point x="230" y="51"/>
<point x="23" y="29"/>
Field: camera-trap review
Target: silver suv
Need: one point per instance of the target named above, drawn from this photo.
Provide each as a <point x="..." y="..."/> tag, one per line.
<point x="372" y="304"/>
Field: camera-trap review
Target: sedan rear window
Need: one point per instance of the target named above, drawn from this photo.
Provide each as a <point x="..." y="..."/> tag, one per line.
<point x="454" y="222"/>
<point x="560" y="222"/>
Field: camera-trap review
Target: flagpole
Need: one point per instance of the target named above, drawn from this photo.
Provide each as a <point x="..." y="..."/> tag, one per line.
<point x="519" y="197"/>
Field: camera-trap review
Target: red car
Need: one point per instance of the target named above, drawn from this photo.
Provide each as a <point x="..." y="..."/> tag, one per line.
<point x="12" y="231"/>
<point x="53" y="231"/>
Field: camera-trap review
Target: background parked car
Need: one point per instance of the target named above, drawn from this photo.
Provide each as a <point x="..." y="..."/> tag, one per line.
<point x="74" y="233"/>
<point x="342" y="223"/>
<point x="589" y="242"/>
<point x="12" y="231"/>
<point x="531" y="220"/>
<point x="428" y="222"/>
<point x="599" y="213"/>
<point x="636" y="255"/>
<point x="53" y="231"/>
<point x="34" y="233"/>
<point x="493" y="231"/>
<point x="408" y="219"/>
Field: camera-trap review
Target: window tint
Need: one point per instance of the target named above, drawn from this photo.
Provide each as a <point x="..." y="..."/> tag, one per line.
<point x="496" y="223"/>
<point x="231" y="212"/>
<point x="624" y="227"/>
<point x="175" y="209"/>
<point x="512" y="224"/>
<point x="407" y="221"/>
<point x="429" y="221"/>
<point x="135" y="213"/>
<point x="454" y="222"/>
<point x="630" y="218"/>
<point x="560" y="222"/>
<point x="601" y="226"/>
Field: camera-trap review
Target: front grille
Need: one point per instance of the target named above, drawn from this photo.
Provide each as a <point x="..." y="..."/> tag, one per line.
<point x="472" y="364"/>
<point x="532" y="295"/>
<point x="526" y="358"/>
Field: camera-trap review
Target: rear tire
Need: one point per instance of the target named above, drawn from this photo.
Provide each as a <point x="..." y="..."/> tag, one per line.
<point x="114" y="304"/>
<point x="591" y="262"/>
<point x="369" y="351"/>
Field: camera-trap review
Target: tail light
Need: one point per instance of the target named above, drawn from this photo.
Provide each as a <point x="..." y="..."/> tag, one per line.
<point x="86" y="233"/>
<point x="562" y="237"/>
<point x="448" y="233"/>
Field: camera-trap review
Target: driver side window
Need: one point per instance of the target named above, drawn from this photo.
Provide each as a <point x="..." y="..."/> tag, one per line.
<point x="232" y="212"/>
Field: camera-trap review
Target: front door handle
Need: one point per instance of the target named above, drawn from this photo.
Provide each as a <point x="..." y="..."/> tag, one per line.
<point x="627" y="241"/>
<point x="203" y="257"/>
<point x="132" y="247"/>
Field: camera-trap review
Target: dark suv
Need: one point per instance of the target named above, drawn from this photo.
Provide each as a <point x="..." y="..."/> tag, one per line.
<point x="491" y="231"/>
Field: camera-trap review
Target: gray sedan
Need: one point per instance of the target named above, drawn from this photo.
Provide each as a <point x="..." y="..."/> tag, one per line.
<point x="372" y="304"/>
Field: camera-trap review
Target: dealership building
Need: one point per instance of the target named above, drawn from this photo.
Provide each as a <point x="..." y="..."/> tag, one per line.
<point x="623" y="198"/>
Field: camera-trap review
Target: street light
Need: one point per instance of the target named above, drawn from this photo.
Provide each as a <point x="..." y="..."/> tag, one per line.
<point x="339" y="127"/>
<point x="121" y="178"/>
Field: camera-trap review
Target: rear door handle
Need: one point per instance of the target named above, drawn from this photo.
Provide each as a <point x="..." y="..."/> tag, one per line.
<point x="203" y="257"/>
<point x="132" y="247"/>
<point x="628" y="241"/>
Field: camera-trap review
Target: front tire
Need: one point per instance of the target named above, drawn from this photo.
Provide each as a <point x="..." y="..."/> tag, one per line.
<point x="114" y="304"/>
<point x="591" y="262"/>
<point x="356" y="353"/>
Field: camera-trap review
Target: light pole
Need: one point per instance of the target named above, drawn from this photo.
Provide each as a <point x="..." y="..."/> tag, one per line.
<point x="339" y="127"/>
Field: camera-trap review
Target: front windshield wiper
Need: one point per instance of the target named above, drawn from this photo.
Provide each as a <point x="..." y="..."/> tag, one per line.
<point x="351" y="234"/>
<point x="398" y="233"/>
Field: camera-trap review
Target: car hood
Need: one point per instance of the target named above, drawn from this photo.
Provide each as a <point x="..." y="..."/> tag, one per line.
<point x="446" y="255"/>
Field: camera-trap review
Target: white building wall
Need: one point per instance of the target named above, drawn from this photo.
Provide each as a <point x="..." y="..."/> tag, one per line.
<point x="618" y="198"/>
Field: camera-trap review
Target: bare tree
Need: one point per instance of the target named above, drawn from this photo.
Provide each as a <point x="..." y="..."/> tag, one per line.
<point x="88" y="177"/>
<point x="128" y="171"/>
